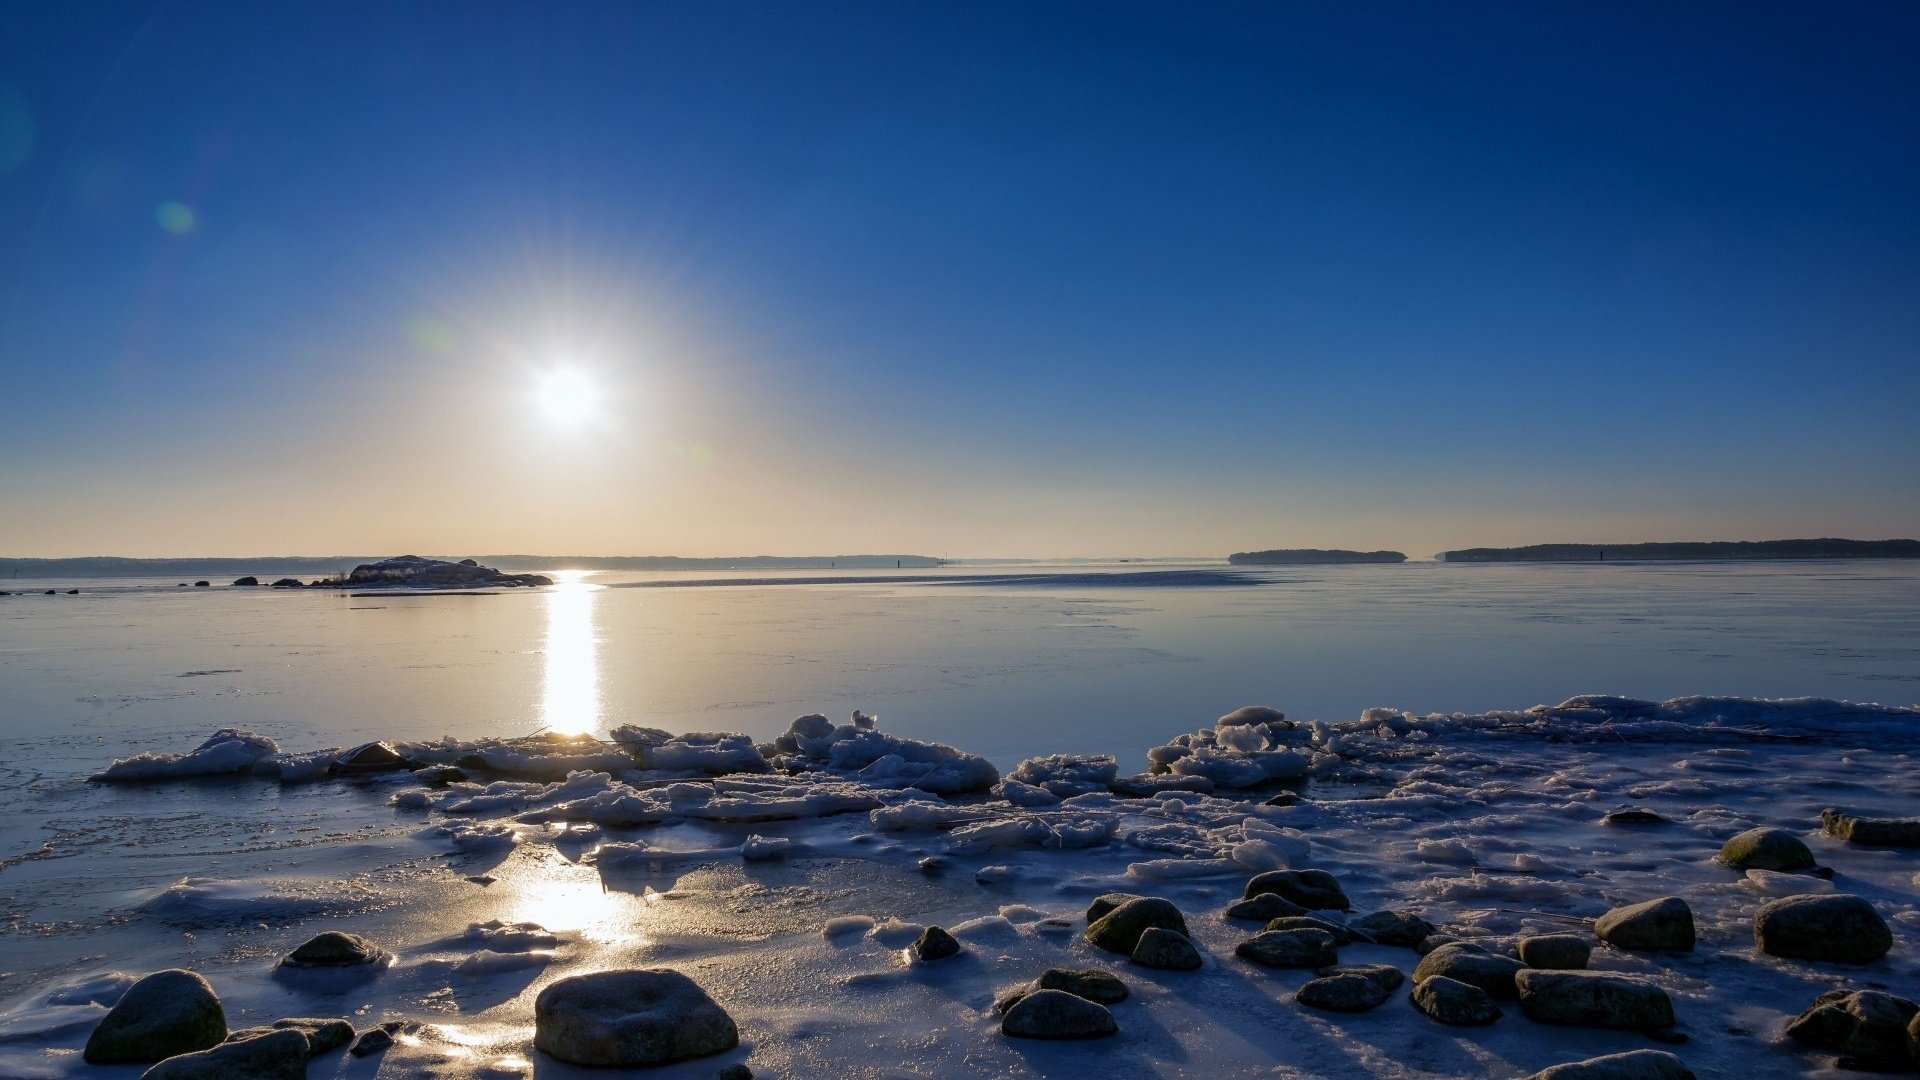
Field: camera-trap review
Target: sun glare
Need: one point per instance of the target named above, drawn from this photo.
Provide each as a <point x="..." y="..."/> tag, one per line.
<point x="567" y="397"/>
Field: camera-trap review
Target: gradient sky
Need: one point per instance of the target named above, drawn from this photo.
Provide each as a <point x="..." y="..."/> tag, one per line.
<point x="955" y="278"/>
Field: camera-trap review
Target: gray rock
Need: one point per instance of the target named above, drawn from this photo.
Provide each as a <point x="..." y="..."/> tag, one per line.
<point x="322" y="1035"/>
<point x="1435" y="941"/>
<point x="1462" y="963"/>
<point x="334" y="949"/>
<point x="1090" y="983"/>
<point x="1166" y="950"/>
<point x="934" y="944"/>
<point x="1315" y="890"/>
<point x="1119" y="930"/>
<point x="1341" y="935"/>
<point x="1264" y="908"/>
<point x="1348" y="992"/>
<point x="1289" y="949"/>
<point x="439" y="776"/>
<point x="1633" y="815"/>
<point x="1835" y="927"/>
<point x="1593" y="999"/>
<point x="167" y="1013"/>
<point x="378" y="1039"/>
<point x="245" y="582"/>
<point x="1871" y="832"/>
<point x="1386" y="975"/>
<point x="646" y="1016"/>
<point x="1451" y="1001"/>
<point x="1632" y="1065"/>
<point x="1400" y="928"/>
<point x="736" y="1071"/>
<point x="1663" y="925"/>
<point x="368" y="758"/>
<point x="1555" y="952"/>
<point x="1867" y="1028"/>
<point x="1767" y="849"/>
<point x="1056" y="1014"/>
<point x="1105" y="903"/>
<point x="276" y="1055"/>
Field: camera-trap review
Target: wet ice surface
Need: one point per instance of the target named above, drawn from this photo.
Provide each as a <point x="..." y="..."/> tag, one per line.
<point x="1490" y="829"/>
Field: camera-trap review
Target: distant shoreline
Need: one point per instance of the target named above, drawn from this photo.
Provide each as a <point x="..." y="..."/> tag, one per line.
<point x="325" y="565"/>
<point x="1692" y="551"/>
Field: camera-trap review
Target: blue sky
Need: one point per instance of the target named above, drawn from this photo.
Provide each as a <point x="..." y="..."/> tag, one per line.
<point x="967" y="279"/>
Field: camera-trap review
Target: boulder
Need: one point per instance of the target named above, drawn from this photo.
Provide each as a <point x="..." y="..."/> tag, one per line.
<point x="1867" y="1028"/>
<point x="1091" y="983"/>
<point x="1663" y="925"/>
<point x="1632" y="1065"/>
<point x="1633" y="815"/>
<point x="322" y="1035"/>
<point x="1385" y="974"/>
<point x="1767" y="849"/>
<point x="1836" y="927"/>
<point x="1289" y="949"/>
<point x="1345" y="992"/>
<point x="167" y="1013"/>
<point x="1871" y="832"/>
<point x="1166" y="950"/>
<point x="1555" y="952"/>
<point x="1264" y="908"/>
<point x="378" y="1039"/>
<point x="335" y="949"/>
<point x="1451" y="1001"/>
<point x="249" y="580"/>
<point x="1593" y="999"/>
<point x="1105" y="903"/>
<point x="1399" y="928"/>
<point x="647" y="1016"/>
<point x="1341" y="935"/>
<point x="287" y="583"/>
<point x="934" y="944"/>
<point x="1119" y="930"/>
<point x="202" y="584"/>
<point x="1436" y="941"/>
<point x="1056" y="1014"/>
<point x="1464" y="963"/>
<point x="1315" y="890"/>
<point x="373" y="757"/>
<point x="275" y="1055"/>
<point x="439" y="776"/>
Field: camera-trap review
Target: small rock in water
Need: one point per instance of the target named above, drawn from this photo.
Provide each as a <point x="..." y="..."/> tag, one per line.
<point x="932" y="864"/>
<point x="1056" y="1014"/>
<point x="1289" y="949"/>
<point x="1837" y="927"/>
<point x="736" y="1071"/>
<point x="334" y="949"/>
<point x="276" y="1055"/>
<point x="1867" y="1028"/>
<point x="1400" y="928"/>
<point x="1451" y="1001"/>
<point x="1167" y="950"/>
<point x="1341" y="935"/>
<point x="1632" y="1065"/>
<point x="1347" y="992"/>
<point x="934" y="943"/>
<point x="439" y="776"/>
<point x="1767" y="849"/>
<point x="167" y="1013"/>
<point x="482" y="879"/>
<point x="1120" y="928"/>
<point x="373" y="757"/>
<point x="1871" y="832"/>
<point x="1663" y="925"/>
<point x="1315" y="890"/>
<point x="1473" y="966"/>
<point x="1555" y="952"/>
<point x="1593" y="999"/>
<point x="377" y="1039"/>
<point x="1633" y="815"/>
<point x="647" y="1016"/>
<point x="1285" y="798"/>
<point x="1090" y="983"/>
<point x="322" y="1034"/>
<point x="1264" y="908"/>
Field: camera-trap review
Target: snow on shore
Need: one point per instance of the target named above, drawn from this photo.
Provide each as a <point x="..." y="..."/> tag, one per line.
<point x="787" y="877"/>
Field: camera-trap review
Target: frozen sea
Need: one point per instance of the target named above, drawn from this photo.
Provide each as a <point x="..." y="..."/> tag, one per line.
<point x="1491" y="833"/>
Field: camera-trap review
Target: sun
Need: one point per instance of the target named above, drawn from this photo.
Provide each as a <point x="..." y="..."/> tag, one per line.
<point x="567" y="397"/>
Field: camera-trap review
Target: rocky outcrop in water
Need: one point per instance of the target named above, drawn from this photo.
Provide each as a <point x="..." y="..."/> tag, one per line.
<point x="415" y="572"/>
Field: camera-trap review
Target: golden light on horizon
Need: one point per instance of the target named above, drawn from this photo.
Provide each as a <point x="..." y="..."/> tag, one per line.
<point x="570" y="698"/>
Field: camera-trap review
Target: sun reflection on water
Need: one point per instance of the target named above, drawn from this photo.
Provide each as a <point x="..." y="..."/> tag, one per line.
<point x="570" y="699"/>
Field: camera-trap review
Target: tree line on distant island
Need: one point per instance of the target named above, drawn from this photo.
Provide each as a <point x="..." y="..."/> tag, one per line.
<point x="1825" y="548"/>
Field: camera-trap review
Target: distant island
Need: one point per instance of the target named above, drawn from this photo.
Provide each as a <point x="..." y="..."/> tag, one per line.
<point x="1298" y="556"/>
<point x="308" y="566"/>
<point x="1826" y="548"/>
